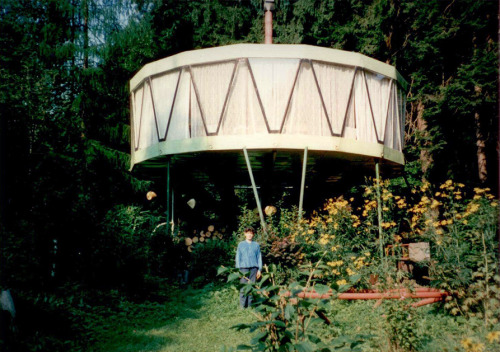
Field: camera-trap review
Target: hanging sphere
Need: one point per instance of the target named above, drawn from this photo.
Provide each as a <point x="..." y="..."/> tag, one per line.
<point x="150" y="195"/>
<point x="270" y="210"/>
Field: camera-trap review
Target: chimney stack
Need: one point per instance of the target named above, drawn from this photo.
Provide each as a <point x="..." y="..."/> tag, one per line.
<point x="268" y="8"/>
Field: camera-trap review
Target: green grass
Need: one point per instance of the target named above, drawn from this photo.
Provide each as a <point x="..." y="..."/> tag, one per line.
<point x="201" y="320"/>
<point x="191" y="320"/>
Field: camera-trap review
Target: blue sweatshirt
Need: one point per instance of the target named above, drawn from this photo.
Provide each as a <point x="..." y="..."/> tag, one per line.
<point x="248" y="255"/>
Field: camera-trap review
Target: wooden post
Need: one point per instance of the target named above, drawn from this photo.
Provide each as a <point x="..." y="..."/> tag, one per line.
<point x="254" y="187"/>
<point x="379" y="209"/>
<point x="302" y="183"/>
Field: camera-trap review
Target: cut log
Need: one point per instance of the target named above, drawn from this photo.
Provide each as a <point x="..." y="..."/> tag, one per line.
<point x="202" y="239"/>
<point x="211" y="228"/>
<point x="195" y="239"/>
<point x="190" y="248"/>
<point x="208" y="234"/>
<point x="188" y="241"/>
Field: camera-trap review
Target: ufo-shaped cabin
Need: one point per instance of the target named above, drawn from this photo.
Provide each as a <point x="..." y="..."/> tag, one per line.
<point x="226" y="103"/>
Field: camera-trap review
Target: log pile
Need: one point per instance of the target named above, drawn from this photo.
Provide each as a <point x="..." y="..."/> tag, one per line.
<point x="204" y="236"/>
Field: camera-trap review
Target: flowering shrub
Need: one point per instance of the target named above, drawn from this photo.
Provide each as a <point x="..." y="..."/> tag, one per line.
<point x="361" y="241"/>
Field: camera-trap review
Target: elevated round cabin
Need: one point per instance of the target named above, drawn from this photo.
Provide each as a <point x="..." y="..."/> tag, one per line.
<point x="256" y="109"/>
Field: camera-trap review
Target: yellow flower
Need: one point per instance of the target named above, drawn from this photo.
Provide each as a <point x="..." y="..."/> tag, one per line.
<point x="478" y="347"/>
<point x="367" y="254"/>
<point x="439" y="232"/>
<point x="493" y="336"/>
<point x="494" y="204"/>
<point x="466" y="343"/>
<point x="323" y="240"/>
<point x="477" y="197"/>
<point x="341" y="282"/>
<point x="310" y="232"/>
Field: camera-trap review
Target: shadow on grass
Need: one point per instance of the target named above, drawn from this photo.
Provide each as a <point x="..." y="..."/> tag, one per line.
<point x="190" y="320"/>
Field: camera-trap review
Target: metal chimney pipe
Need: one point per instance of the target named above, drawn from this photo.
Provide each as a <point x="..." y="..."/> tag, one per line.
<point x="268" y="21"/>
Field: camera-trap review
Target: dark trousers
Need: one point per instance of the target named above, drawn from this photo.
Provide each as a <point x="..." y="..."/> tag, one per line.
<point x="246" y="301"/>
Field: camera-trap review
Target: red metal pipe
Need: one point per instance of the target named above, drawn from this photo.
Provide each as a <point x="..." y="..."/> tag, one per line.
<point x="429" y="295"/>
<point x="424" y="302"/>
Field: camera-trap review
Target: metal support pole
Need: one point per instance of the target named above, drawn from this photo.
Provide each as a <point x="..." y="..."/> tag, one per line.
<point x="268" y="21"/>
<point x="254" y="187"/>
<point x="302" y="183"/>
<point x="173" y="217"/>
<point x="168" y="197"/>
<point x="379" y="210"/>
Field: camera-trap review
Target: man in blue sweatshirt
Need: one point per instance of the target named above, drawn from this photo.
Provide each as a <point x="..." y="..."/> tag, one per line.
<point x="248" y="260"/>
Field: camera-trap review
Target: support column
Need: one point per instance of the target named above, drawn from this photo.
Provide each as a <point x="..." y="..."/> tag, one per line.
<point x="172" y="212"/>
<point x="167" y="213"/>
<point x="254" y="187"/>
<point x="379" y="209"/>
<point x="302" y="183"/>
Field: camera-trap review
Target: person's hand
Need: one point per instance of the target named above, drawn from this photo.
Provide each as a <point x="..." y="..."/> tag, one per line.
<point x="258" y="274"/>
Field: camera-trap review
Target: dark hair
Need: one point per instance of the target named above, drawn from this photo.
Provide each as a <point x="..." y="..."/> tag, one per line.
<point x="249" y="229"/>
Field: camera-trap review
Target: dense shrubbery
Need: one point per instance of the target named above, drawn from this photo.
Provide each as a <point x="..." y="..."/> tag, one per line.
<point x="343" y="248"/>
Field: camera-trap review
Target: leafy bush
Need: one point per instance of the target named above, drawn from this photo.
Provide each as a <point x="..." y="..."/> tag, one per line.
<point x="285" y="321"/>
<point x="359" y="241"/>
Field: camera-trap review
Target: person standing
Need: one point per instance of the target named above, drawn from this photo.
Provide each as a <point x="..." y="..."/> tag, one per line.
<point x="248" y="260"/>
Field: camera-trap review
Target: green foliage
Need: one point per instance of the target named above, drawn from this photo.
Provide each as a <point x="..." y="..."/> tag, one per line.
<point x="284" y="320"/>
<point x="350" y="248"/>
<point x="64" y="148"/>
<point x="208" y="257"/>
<point x="402" y="326"/>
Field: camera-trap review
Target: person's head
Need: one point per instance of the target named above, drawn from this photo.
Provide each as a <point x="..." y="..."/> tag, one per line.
<point x="249" y="233"/>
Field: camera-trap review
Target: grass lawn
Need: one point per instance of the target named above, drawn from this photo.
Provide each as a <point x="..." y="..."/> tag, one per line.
<point x="191" y="320"/>
<point x="201" y="320"/>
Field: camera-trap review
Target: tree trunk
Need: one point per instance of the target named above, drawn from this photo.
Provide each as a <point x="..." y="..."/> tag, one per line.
<point x="481" y="147"/>
<point x="85" y="34"/>
<point x="421" y="125"/>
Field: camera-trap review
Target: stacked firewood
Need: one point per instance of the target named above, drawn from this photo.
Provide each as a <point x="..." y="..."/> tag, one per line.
<point x="204" y="236"/>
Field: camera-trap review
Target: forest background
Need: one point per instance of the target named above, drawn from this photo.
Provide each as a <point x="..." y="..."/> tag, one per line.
<point x="67" y="197"/>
